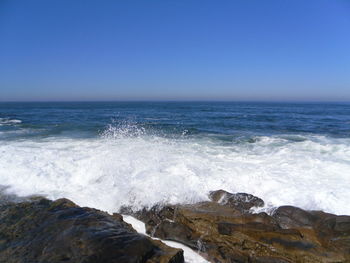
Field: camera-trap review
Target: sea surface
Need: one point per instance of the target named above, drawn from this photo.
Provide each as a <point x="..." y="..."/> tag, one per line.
<point x="111" y="154"/>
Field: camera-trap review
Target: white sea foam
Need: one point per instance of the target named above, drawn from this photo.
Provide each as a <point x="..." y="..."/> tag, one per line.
<point x="7" y="121"/>
<point x="142" y="170"/>
<point x="189" y="255"/>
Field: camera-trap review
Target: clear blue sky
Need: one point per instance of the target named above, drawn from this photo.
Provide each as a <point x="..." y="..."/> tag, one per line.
<point x="175" y="50"/>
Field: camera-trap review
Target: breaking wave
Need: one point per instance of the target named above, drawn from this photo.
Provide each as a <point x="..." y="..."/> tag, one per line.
<point x="128" y="166"/>
<point x="8" y="121"/>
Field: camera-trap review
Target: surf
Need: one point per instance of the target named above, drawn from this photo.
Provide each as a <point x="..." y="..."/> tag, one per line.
<point x="132" y="167"/>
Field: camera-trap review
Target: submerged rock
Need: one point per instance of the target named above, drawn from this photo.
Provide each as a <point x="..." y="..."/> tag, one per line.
<point x="59" y="231"/>
<point x="223" y="230"/>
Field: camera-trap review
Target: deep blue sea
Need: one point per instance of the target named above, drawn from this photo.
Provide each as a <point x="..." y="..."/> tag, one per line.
<point x="109" y="154"/>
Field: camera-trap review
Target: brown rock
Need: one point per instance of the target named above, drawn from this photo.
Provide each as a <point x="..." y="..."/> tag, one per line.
<point x="44" y="231"/>
<point x="223" y="230"/>
<point x="239" y="201"/>
<point x="291" y="217"/>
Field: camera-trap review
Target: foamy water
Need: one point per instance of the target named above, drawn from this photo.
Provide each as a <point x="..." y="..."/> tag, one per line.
<point x="8" y="121"/>
<point x="190" y="255"/>
<point x="138" y="170"/>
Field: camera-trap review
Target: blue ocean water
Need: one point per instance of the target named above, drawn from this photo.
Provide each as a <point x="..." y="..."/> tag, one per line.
<point x="109" y="154"/>
<point x="228" y="121"/>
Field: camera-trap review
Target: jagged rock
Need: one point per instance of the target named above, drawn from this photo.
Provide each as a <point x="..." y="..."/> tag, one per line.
<point x="223" y="230"/>
<point x="239" y="201"/>
<point x="44" y="231"/>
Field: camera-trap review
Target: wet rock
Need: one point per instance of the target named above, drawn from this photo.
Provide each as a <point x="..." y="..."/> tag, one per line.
<point x="333" y="231"/>
<point x="223" y="230"/>
<point x="44" y="231"/>
<point x="240" y="201"/>
<point x="291" y="217"/>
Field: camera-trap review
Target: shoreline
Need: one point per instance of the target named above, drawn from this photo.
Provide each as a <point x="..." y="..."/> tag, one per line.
<point x="223" y="229"/>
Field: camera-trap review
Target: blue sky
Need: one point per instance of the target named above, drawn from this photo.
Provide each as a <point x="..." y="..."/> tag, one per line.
<point x="175" y="50"/>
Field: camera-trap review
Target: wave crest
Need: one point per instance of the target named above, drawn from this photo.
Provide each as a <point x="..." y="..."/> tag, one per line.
<point x="8" y="121"/>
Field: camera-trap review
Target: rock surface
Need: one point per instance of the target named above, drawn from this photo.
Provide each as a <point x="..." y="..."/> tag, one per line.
<point x="44" y="231"/>
<point x="223" y="230"/>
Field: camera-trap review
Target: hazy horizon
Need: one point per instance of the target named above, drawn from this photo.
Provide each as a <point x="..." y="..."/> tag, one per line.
<point x="182" y="101"/>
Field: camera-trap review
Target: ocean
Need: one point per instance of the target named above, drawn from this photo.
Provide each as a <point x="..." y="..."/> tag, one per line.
<point x="112" y="154"/>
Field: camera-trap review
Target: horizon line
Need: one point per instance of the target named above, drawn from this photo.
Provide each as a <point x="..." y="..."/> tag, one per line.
<point x="175" y="100"/>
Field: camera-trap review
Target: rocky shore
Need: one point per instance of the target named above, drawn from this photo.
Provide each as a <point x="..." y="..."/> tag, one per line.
<point x="44" y="231"/>
<point x="222" y="230"/>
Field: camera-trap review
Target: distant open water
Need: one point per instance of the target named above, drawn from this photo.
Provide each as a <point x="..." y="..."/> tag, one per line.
<point x="110" y="154"/>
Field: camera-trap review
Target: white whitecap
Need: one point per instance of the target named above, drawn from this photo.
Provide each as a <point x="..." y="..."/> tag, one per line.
<point x="8" y="121"/>
<point x="143" y="170"/>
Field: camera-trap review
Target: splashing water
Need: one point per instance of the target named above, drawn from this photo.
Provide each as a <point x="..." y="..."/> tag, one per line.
<point x="177" y="156"/>
<point x="122" y="129"/>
